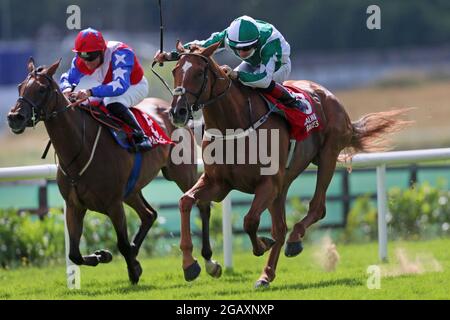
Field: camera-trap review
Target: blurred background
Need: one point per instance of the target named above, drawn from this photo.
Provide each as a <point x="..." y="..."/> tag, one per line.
<point x="404" y="64"/>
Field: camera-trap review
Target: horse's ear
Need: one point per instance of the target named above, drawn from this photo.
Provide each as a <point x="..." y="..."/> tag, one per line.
<point x="30" y="65"/>
<point x="52" y="69"/>
<point x="180" y="47"/>
<point x="211" y="49"/>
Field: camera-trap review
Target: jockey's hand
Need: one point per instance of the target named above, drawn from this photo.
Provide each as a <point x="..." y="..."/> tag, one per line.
<point x="161" y="56"/>
<point x="70" y="95"/>
<point x="67" y="93"/>
<point x="83" y="94"/>
<point x="232" y="74"/>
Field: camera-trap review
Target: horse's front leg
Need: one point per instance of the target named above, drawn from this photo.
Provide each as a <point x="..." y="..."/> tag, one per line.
<point x="213" y="268"/>
<point x="74" y="218"/>
<point x="265" y="193"/>
<point x="204" y="190"/>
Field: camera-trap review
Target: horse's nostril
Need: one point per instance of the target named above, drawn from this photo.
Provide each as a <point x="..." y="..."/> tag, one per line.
<point x="18" y="117"/>
<point x="182" y="112"/>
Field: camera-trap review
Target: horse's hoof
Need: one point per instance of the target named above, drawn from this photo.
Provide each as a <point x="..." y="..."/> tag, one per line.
<point x="264" y="245"/>
<point x="213" y="268"/>
<point x="262" y="284"/>
<point x="104" y="256"/>
<point x="135" y="272"/>
<point x="192" y="272"/>
<point x="268" y="243"/>
<point x="293" y="249"/>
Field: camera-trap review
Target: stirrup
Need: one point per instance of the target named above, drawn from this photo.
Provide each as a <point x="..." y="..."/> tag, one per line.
<point x="140" y="146"/>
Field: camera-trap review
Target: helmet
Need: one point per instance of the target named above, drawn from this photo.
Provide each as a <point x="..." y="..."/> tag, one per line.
<point x="242" y="32"/>
<point x="89" y="40"/>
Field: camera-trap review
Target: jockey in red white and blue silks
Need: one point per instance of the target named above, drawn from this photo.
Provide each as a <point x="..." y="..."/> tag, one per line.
<point x="116" y="69"/>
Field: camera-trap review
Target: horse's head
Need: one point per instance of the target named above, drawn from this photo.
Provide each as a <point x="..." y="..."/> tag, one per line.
<point x="195" y="76"/>
<point x="35" y="93"/>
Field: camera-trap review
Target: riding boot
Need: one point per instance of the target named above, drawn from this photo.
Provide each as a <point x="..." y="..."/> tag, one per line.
<point x="279" y="92"/>
<point x="141" y="141"/>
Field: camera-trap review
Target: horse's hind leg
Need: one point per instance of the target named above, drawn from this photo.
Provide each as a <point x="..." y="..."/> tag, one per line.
<point x="278" y="214"/>
<point x="147" y="215"/>
<point x="117" y="215"/>
<point x="326" y="166"/>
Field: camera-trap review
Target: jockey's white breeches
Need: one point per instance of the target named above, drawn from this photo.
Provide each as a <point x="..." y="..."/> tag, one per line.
<point x="132" y="97"/>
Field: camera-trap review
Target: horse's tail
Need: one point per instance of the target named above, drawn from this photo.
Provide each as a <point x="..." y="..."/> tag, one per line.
<point x="371" y="132"/>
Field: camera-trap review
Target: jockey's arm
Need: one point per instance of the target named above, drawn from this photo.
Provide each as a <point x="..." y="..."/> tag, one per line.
<point x="262" y="77"/>
<point x="71" y="78"/>
<point x="213" y="39"/>
<point x="122" y="64"/>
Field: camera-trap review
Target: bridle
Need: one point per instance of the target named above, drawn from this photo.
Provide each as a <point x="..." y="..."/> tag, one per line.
<point x="38" y="112"/>
<point x="42" y="115"/>
<point x="197" y="105"/>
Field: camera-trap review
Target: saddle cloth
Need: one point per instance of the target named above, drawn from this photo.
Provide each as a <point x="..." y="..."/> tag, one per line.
<point x="301" y="123"/>
<point x="123" y="136"/>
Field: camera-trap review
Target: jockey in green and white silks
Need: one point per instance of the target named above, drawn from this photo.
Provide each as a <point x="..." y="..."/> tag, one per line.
<point x="264" y="52"/>
<point x="267" y="51"/>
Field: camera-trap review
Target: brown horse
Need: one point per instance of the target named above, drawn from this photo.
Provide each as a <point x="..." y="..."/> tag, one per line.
<point x="201" y="84"/>
<point x="94" y="178"/>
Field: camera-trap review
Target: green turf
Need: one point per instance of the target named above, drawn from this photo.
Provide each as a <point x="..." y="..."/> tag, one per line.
<point x="297" y="278"/>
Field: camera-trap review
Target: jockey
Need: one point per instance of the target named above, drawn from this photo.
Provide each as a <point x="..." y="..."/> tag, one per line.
<point x="264" y="52"/>
<point x="121" y="79"/>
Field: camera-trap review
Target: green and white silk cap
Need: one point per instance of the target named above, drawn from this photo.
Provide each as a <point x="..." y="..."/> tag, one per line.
<point x="242" y="32"/>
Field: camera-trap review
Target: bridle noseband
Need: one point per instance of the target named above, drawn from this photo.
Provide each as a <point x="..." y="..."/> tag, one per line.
<point x="197" y="105"/>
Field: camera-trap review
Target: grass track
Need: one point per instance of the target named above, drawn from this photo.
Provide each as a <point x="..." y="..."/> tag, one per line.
<point x="297" y="278"/>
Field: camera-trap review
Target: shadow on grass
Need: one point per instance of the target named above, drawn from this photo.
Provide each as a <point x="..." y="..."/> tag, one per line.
<point x="349" y="282"/>
<point x="113" y="290"/>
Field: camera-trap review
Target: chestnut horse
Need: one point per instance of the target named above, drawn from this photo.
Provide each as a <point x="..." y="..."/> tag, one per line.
<point x="93" y="169"/>
<point x="201" y="84"/>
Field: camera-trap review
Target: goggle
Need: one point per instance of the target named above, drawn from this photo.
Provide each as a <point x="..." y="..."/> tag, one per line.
<point x="247" y="48"/>
<point x="89" y="56"/>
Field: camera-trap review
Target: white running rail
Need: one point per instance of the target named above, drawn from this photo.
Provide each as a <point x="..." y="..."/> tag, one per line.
<point x="379" y="160"/>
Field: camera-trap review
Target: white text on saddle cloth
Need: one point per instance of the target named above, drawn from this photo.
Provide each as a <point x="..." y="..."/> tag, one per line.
<point x="311" y="122"/>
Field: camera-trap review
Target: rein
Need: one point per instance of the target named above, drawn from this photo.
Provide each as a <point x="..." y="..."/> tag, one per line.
<point x="196" y="106"/>
<point x="181" y="91"/>
<point x="39" y="114"/>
